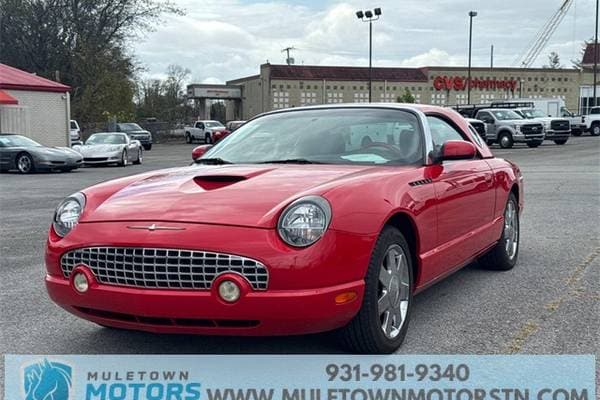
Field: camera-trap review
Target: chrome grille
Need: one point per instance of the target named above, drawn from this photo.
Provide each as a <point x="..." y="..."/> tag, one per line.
<point x="155" y="268"/>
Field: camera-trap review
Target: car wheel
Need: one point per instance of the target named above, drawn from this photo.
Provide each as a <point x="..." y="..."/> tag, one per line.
<point x="67" y="169"/>
<point x="25" y="163"/>
<point x="533" y="145"/>
<point x="124" y="159"/>
<point x="505" y="140"/>
<point x="148" y="147"/>
<point x="188" y="138"/>
<point x="503" y="256"/>
<point x="561" y="141"/>
<point x="381" y="324"/>
<point x="208" y="138"/>
<point x="595" y="129"/>
<point x="140" y="157"/>
<point x="489" y="142"/>
<point x="577" y="132"/>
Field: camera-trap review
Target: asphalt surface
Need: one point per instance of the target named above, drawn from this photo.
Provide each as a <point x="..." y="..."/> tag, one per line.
<point x="548" y="304"/>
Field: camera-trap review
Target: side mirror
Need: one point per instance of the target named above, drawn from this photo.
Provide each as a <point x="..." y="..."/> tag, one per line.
<point x="457" y="150"/>
<point x="199" y="151"/>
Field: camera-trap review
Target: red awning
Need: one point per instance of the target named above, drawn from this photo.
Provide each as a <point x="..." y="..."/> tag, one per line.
<point x="6" y="98"/>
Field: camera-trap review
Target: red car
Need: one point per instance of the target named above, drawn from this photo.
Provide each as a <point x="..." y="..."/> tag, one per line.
<point x="306" y="220"/>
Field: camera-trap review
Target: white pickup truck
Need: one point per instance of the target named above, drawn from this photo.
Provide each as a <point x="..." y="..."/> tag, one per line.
<point x="207" y="131"/>
<point x="592" y="121"/>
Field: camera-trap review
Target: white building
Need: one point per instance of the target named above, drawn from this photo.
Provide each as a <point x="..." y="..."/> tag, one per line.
<point x="34" y="106"/>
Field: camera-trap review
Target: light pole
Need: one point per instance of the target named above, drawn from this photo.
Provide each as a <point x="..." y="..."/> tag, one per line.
<point x="367" y="16"/>
<point x="596" y="55"/>
<point x="471" y="15"/>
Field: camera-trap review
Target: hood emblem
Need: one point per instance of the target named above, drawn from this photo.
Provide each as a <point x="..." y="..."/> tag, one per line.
<point x="155" y="227"/>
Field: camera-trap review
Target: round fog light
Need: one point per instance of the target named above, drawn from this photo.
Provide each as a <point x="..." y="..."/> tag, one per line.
<point x="80" y="282"/>
<point x="229" y="291"/>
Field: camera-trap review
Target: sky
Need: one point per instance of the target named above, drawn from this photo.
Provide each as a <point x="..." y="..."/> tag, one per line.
<point x="220" y="40"/>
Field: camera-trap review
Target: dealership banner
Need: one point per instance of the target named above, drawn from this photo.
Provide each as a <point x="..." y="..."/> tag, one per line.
<point x="299" y="377"/>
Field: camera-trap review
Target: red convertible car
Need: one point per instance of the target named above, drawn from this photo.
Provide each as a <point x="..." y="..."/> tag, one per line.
<point x="304" y="220"/>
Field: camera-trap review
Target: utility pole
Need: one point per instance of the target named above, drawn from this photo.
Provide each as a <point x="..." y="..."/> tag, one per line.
<point x="288" y="60"/>
<point x="471" y="15"/>
<point x="492" y="57"/>
<point x="596" y="55"/>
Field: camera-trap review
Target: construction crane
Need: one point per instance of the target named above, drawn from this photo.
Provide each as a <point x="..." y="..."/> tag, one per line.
<point x="543" y="36"/>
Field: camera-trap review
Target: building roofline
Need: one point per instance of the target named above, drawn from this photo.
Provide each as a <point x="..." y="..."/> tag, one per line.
<point x="241" y="80"/>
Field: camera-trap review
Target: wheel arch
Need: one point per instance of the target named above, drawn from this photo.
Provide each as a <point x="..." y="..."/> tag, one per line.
<point x="405" y="224"/>
<point x="505" y="130"/>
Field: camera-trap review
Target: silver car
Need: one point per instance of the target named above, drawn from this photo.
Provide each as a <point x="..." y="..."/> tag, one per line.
<point x="111" y="148"/>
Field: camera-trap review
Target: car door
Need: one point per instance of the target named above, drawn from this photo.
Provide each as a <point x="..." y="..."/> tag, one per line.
<point x="490" y="126"/>
<point x="465" y="197"/>
<point x="199" y="131"/>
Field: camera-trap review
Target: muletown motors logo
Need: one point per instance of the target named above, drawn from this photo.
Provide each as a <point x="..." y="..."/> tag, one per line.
<point x="47" y="380"/>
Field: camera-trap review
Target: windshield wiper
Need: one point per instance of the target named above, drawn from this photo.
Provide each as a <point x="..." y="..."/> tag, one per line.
<point x="291" y="161"/>
<point x="212" y="161"/>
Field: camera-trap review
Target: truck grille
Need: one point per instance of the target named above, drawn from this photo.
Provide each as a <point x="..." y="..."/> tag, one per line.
<point x="155" y="268"/>
<point x="532" y="129"/>
<point x="560" y="125"/>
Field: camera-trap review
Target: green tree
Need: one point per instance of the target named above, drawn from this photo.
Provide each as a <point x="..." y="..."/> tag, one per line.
<point x="82" y="41"/>
<point x="406" y="97"/>
<point x="217" y="111"/>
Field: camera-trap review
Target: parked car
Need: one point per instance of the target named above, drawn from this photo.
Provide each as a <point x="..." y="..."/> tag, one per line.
<point x="208" y="131"/>
<point x="577" y="122"/>
<point x="136" y="132"/>
<point x="111" y="148"/>
<point x="74" y="132"/>
<point x="26" y="155"/>
<point x="506" y="127"/>
<point x="233" y="125"/>
<point x="592" y="121"/>
<point x="555" y="129"/>
<point x="305" y="229"/>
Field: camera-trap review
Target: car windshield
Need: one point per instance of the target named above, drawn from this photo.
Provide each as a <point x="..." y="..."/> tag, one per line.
<point x="330" y="136"/>
<point x="531" y="113"/>
<point x="17" y="141"/>
<point x="130" y="126"/>
<point x="106" y="138"/>
<point x="502" y="115"/>
<point x="214" y="124"/>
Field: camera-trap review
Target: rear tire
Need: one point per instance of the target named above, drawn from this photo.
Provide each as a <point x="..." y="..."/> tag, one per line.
<point x="188" y="138"/>
<point x="382" y="321"/>
<point x="505" y="140"/>
<point x="503" y="256"/>
<point x="561" y="141"/>
<point x="140" y="157"/>
<point x="207" y="138"/>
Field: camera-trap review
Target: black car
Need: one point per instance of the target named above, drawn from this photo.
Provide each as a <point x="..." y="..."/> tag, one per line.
<point x="136" y="132"/>
<point x="26" y="155"/>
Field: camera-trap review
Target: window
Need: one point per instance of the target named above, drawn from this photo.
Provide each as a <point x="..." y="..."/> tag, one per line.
<point x="335" y="97"/>
<point x="485" y="117"/>
<point x="441" y="131"/>
<point x="362" y="97"/>
<point x="281" y="99"/>
<point x="308" y="98"/>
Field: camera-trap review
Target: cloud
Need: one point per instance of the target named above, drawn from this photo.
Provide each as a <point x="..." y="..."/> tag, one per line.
<point x="219" y="40"/>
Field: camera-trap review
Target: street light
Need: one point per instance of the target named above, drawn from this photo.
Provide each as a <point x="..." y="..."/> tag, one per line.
<point x="367" y="16"/>
<point x="471" y="15"/>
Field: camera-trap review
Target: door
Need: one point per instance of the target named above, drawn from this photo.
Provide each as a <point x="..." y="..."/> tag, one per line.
<point x="490" y="126"/>
<point x="465" y="200"/>
<point x="200" y="130"/>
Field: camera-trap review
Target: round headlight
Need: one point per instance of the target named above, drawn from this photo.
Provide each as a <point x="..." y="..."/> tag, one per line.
<point x="67" y="213"/>
<point x="304" y="221"/>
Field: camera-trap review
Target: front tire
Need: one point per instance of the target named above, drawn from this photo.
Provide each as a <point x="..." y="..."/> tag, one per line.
<point x="533" y="145"/>
<point x="505" y="140"/>
<point x="595" y="129"/>
<point x="577" y="132"/>
<point x="147" y="146"/>
<point x="382" y="321"/>
<point x="124" y="159"/>
<point x="207" y="138"/>
<point x="560" y="142"/>
<point x="25" y="163"/>
<point x="503" y="256"/>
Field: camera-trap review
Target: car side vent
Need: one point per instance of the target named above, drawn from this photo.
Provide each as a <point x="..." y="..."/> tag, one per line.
<point x="421" y="182"/>
<point x="212" y="182"/>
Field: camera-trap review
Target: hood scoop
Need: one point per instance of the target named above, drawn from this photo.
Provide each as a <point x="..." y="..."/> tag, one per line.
<point x="212" y="182"/>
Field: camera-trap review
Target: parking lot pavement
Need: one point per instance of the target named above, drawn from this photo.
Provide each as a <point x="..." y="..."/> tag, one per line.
<point x="549" y="303"/>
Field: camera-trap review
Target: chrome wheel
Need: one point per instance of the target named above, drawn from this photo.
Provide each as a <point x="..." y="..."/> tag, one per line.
<point x="24" y="164"/>
<point x="511" y="230"/>
<point x="394" y="291"/>
<point x="505" y="141"/>
<point x="140" y="156"/>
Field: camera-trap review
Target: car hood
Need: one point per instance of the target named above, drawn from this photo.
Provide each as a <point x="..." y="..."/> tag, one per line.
<point x="97" y="149"/>
<point x="137" y="132"/>
<point x="242" y="195"/>
<point x="53" y="152"/>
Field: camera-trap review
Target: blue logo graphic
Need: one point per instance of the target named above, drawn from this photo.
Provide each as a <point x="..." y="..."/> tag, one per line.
<point x="47" y="380"/>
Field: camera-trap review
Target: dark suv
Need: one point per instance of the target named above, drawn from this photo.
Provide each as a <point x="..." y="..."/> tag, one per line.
<point x="135" y="132"/>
